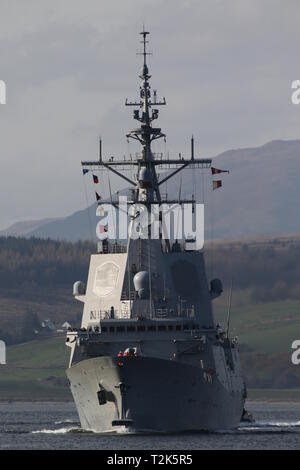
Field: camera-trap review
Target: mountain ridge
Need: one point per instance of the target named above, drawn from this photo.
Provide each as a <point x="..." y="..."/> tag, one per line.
<point x="259" y="197"/>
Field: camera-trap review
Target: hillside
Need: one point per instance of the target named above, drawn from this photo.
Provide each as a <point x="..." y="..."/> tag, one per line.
<point x="20" y="229"/>
<point x="36" y="370"/>
<point x="36" y="278"/>
<point x="261" y="194"/>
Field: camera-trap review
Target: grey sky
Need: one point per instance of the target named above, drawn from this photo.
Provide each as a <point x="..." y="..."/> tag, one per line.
<point x="225" y="68"/>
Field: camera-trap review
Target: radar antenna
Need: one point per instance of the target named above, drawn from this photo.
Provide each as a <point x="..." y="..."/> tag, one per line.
<point x="146" y="133"/>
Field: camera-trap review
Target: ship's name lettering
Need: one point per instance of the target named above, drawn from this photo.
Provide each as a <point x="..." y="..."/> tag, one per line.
<point x="95" y="315"/>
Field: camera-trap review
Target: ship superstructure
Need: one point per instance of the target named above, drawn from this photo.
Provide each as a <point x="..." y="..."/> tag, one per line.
<point x="149" y="356"/>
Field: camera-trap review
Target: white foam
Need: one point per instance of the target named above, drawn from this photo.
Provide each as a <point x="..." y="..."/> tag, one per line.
<point x="64" y="421"/>
<point x="56" y="431"/>
<point x="259" y="425"/>
<point x="256" y="426"/>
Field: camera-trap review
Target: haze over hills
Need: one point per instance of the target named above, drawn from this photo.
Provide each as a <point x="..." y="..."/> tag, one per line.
<point x="259" y="197"/>
<point x="26" y="227"/>
<point x="261" y="194"/>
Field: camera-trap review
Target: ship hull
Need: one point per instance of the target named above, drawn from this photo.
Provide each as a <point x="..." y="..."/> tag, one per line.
<point x="151" y="395"/>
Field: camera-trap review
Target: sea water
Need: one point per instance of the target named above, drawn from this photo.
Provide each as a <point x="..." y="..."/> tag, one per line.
<point x="56" y="426"/>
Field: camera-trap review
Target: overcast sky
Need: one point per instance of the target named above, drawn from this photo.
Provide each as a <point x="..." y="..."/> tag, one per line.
<point x="224" y="66"/>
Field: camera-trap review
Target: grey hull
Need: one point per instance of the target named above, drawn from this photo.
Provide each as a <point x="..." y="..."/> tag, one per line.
<point x="150" y="394"/>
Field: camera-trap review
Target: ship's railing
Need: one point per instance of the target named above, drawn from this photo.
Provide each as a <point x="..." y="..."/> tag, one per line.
<point x="133" y="295"/>
<point x="107" y="247"/>
<point x="161" y="160"/>
<point x="156" y="313"/>
<point x="115" y="314"/>
<point x="117" y="248"/>
<point x="172" y="313"/>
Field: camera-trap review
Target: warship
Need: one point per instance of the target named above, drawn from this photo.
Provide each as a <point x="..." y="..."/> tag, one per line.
<point x="149" y="356"/>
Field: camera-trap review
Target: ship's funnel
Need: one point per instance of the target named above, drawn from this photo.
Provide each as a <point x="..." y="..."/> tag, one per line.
<point x="141" y="284"/>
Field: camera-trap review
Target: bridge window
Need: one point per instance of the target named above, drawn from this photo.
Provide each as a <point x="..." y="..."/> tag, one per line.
<point x="120" y="328"/>
<point x="141" y="328"/>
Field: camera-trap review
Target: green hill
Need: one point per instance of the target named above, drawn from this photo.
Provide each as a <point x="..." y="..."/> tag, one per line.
<point x="36" y="371"/>
<point x="268" y="327"/>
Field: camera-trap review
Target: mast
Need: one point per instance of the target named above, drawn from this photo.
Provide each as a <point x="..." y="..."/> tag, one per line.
<point x="146" y="133"/>
<point x="147" y="185"/>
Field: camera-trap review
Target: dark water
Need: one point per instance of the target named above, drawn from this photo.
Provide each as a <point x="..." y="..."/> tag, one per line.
<point x="56" y="426"/>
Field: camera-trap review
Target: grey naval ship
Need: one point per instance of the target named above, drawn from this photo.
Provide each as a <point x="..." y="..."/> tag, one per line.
<point x="149" y="355"/>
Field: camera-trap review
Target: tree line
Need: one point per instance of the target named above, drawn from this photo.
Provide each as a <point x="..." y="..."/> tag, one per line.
<point x="42" y="263"/>
<point x="270" y="270"/>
